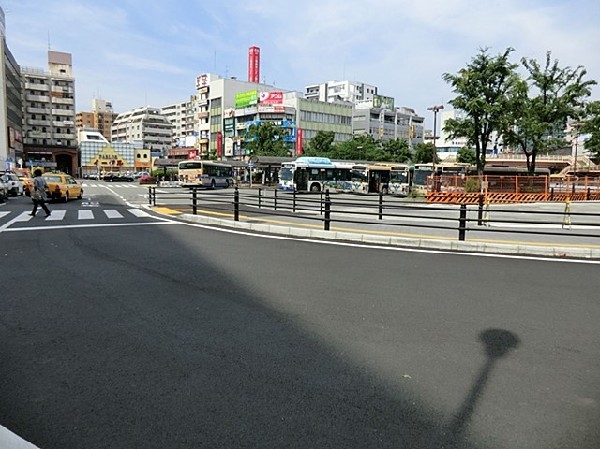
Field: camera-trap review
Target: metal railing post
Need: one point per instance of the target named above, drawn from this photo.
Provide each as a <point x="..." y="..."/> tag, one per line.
<point x="327" y="208"/>
<point x="194" y="201"/>
<point x="259" y="198"/>
<point x="236" y="204"/>
<point x="480" y="211"/>
<point x="294" y="200"/>
<point x="150" y="196"/>
<point x="462" y="222"/>
<point x="275" y="199"/>
<point x="321" y="203"/>
<point x="381" y="205"/>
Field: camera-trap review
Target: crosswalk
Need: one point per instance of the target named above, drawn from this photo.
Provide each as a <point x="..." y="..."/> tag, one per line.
<point x="75" y="214"/>
<point x="127" y="186"/>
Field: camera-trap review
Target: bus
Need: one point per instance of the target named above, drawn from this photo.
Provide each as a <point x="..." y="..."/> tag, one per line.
<point x="313" y="174"/>
<point x="204" y="174"/>
<point x="399" y="178"/>
<point x="366" y="178"/>
<point x="423" y="172"/>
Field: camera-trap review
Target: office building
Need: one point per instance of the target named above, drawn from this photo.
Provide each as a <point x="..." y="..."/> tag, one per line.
<point x="146" y="128"/>
<point x="50" y="137"/>
<point x="100" y="118"/>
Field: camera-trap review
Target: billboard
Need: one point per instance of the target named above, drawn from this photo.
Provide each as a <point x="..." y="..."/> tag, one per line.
<point x="380" y="101"/>
<point x="202" y="80"/>
<point x="246" y="99"/>
<point x="271" y="98"/>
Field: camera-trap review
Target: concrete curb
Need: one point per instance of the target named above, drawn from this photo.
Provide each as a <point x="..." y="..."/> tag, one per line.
<point x="387" y="240"/>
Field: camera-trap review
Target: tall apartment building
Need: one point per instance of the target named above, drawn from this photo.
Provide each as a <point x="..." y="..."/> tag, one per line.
<point x="100" y="119"/>
<point x="50" y="137"/>
<point x="11" y="135"/>
<point x="147" y="128"/>
<point x="387" y="122"/>
<point x="333" y="91"/>
<point x="182" y="118"/>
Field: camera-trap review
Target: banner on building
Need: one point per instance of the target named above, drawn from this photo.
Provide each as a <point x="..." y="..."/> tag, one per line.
<point x="219" y="145"/>
<point x="299" y="142"/>
<point x="271" y="97"/>
<point x="246" y="99"/>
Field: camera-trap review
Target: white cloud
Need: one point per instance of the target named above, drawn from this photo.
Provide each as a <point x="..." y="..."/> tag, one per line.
<point x="135" y="51"/>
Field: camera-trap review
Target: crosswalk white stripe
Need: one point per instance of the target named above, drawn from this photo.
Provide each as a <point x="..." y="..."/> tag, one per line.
<point x="4" y="214"/>
<point x="85" y="214"/>
<point x="139" y="213"/>
<point x="111" y="213"/>
<point x="57" y="215"/>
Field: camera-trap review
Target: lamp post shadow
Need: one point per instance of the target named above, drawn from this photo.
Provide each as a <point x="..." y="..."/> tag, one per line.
<point x="497" y="344"/>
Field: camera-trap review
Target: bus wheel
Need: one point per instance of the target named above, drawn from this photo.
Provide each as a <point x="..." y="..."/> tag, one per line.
<point x="315" y="188"/>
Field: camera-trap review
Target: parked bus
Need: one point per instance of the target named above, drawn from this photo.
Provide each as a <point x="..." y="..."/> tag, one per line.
<point x="204" y="174"/>
<point x="423" y="172"/>
<point x="370" y="179"/>
<point x="312" y="174"/>
<point x="400" y="174"/>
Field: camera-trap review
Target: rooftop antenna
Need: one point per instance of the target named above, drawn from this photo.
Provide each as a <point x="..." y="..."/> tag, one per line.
<point x="49" y="47"/>
<point x="215" y="61"/>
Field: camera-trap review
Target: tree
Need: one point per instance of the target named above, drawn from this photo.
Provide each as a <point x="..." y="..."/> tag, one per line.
<point x="591" y="126"/>
<point x="321" y="144"/>
<point x="543" y="105"/>
<point x="484" y="89"/>
<point x="424" y="153"/>
<point x="466" y="156"/>
<point x="265" y="139"/>
<point x="396" y="150"/>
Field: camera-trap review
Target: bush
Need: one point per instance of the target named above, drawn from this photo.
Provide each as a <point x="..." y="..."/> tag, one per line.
<point x="471" y="185"/>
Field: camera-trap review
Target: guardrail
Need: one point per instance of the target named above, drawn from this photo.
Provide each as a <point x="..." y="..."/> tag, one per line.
<point x="379" y="210"/>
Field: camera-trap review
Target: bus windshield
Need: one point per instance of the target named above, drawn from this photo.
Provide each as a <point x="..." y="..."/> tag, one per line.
<point x="286" y="173"/>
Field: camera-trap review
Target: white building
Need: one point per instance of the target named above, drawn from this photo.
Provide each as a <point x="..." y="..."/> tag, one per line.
<point x="182" y="117"/>
<point x="333" y="91"/>
<point x="146" y="128"/>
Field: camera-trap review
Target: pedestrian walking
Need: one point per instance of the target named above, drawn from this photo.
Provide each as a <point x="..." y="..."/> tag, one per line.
<point x="38" y="195"/>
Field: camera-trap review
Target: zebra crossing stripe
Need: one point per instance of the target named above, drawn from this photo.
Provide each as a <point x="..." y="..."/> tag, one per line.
<point x="57" y="215"/>
<point x="4" y="214"/>
<point x="139" y="213"/>
<point x="111" y="213"/>
<point x="85" y="214"/>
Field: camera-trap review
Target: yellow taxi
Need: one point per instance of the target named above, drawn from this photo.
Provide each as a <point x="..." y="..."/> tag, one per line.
<point x="62" y="187"/>
<point x="27" y="180"/>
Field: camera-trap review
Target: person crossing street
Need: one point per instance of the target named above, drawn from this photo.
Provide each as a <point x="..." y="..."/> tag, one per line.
<point x="38" y="195"/>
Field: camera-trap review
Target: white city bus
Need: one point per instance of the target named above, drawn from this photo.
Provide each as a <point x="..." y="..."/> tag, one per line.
<point x="312" y="174"/>
<point x="204" y="174"/>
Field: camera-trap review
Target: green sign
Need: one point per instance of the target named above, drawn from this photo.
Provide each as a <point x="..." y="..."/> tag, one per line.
<point x="246" y="99"/>
<point x="381" y="101"/>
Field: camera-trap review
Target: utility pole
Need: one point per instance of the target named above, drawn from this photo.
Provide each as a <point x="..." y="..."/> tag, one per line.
<point x="436" y="108"/>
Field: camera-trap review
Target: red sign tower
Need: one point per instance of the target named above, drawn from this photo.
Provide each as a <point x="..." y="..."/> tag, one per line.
<point x="253" y="64"/>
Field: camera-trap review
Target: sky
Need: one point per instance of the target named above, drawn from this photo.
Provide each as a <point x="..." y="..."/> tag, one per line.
<point x="137" y="53"/>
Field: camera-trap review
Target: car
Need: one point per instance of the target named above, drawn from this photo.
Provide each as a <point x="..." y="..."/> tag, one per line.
<point x="15" y="185"/>
<point x="139" y="174"/>
<point x="62" y="186"/>
<point x="3" y="191"/>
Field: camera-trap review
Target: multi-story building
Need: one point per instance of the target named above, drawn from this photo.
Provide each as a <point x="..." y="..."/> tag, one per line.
<point x="11" y="111"/>
<point x="386" y="122"/>
<point x="98" y="155"/>
<point x="101" y="118"/>
<point x="50" y="137"/>
<point x="146" y="128"/>
<point x="335" y="91"/>
<point x="182" y="119"/>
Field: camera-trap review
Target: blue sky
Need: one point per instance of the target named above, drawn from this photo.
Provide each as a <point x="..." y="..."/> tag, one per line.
<point x="139" y="52"/>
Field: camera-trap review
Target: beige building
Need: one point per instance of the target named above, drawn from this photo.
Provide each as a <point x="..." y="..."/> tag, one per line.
<point x="101" y="118"/>
<point x="50" y="137"/>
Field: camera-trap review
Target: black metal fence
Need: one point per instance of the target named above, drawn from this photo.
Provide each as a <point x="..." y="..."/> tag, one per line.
<point x="381" y="212"/>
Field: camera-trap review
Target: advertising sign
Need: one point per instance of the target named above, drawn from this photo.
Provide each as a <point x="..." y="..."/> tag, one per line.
<point x="202" y="80"/>
<point x="228" y="146"/>
<point x="271" y="97"/>
<point x="192" y="154"/>
<point x="380" y="101"/>
<point x="219" y="145"/>
<point x="246" y="99"/>
<point x="299" y="142"/>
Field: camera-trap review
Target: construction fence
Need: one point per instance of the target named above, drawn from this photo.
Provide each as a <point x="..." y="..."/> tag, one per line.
<point x="511" y="189"/>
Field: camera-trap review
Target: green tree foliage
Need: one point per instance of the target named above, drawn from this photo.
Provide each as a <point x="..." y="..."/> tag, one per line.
<point x="396" y="151"/>
<point x="591" y="127"/>
<point x="484" y="89"/>
<point x="265" y="139"/>
<point x="321" y="144"/>
<point x="542" y="106"/>
<point x="424" y="153"/>
<point x="466" y="155"/>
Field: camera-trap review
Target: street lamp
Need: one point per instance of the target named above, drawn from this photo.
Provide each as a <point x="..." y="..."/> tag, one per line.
<point x="436" y="108"/>
<point x="575" y="136"/>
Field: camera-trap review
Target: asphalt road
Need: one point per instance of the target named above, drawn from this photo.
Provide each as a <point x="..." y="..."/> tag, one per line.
<point x="162" y="335"/>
